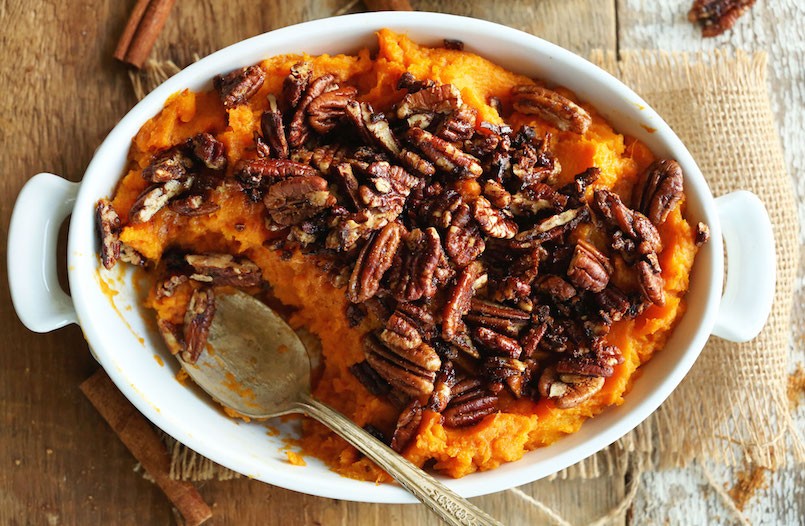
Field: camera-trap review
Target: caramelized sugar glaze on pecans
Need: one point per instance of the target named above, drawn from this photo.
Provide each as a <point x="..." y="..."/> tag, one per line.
<point x="453" y="235"/>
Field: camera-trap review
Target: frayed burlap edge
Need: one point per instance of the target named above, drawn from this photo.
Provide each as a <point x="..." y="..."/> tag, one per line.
<point x="732" y="406"/>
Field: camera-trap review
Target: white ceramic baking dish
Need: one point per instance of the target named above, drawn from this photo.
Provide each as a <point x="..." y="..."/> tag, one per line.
<point x="125" y="344"/>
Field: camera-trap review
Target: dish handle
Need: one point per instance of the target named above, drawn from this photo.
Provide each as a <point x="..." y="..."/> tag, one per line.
<point x="42" y="206"/>
<point x="751" y="276"/>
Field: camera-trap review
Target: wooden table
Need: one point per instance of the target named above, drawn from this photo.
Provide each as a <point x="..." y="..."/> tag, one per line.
<point x="63" y="92"/>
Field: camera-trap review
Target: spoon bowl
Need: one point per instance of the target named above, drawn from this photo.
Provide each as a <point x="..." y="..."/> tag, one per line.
<point x="255" y="364"/>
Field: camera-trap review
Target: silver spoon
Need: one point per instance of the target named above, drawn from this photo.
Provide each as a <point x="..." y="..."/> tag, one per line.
<point x="250" y="342"/>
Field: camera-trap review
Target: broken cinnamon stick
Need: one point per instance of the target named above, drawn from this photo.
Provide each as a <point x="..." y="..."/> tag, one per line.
<point x="142" y="440"/>
<point x="141" y="32"/>
<point x="388" y="5"/>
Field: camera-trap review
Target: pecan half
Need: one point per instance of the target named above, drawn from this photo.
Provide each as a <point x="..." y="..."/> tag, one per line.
<point x="373" y="127"/>
<point x="374" y="260"/>
<point x="555" y="287"/>
<point x="613" y="304"/>
<point x="167" y="286"/>
<point x="297" y="129"/>
<point x="368" y="377"/>
<point x="293" y="200"/>
<point x="660" y="191"/>
<point x="702" y="234"/>
<point x="459" y="301"/>
<point x="171" y="335"/>
<point x="497" y="194"/>
<point x="254" y="175"/>
<point x="469" y="405"/>
<point x="458" y="125"/>
<point x="630" y="222"/>
<point x="501" y="370"/>
<point x="497" y="343"/>
<point x="463" y="244"/>
<point x="197" y="321"/>
<point x="442" y="388"/>
<point x="326" y="110"/>
<point x="239" y="86"/>
<point x="651" y="282"/>
<point x="409" y="370"/>
<point x="552" y="107"/>
<point x="295" y="84"/>
<point x="208" y="150"/>
<point x="717" y="16"/>
<point x="443" y="154"/>
<point x="168" y="165"/>
<point x="441" y="98"/>
<point x="273" y="129"/>
<point x="537" y="197"/>
<point x="568" y="390"/>
<point x="193" y="205"/>
<point x="401" y="332"/>
<point x="551" y="228"/>
<point x="107" y="224"/>
<point x="422" y="256"/>
<point x="155" y="197"/>
<point x="408" y="82"/>
<point x="493" y="221"/>
<point x="407" y="426"/>
<point x="589" y="269"/>
<point x="224" y="269"/>
<point x="500" y="318"/>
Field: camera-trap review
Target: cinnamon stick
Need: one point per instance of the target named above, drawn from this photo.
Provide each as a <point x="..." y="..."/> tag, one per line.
<point x="388" y="5"/>
<point x="142" y="440"/>
<point x="141" y="31"/>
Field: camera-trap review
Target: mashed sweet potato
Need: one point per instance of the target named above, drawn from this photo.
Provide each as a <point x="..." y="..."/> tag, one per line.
<point x="238" y="227"/>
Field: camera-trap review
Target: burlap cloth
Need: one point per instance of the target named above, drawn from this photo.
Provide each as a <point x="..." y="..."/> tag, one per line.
<point x="732" y="407"/>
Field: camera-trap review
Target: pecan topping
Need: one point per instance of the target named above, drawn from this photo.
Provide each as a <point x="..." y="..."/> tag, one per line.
<point x="273" y="129"/>
<point x="107" y="224"/>
<point x="568" y="390"/>
<point x="458" y="303"/>
<point x="254" y="175"/>
<point x="407" y="426"/>
<point x="297" y="129"/>
<point x="167" y="286"/>
<point x="443" y="154"/>
<point x="193" y="205"/>
<point x="450" y="43"/>
<point x="295" y="84"/>
<point x="368" y="377"/>
<point x="589" y="269"/>
<point x="463" y="244"/>
<point x="442" y="388"/>
<point x="409" y="82"/>
<point x="422" y="257"/>
<point x="493" y="221"/>
<point x="155" y="197"/>
<point x="469" y="405"/>
<point x="613" y="304"/>
<point x="441" y="98"/>
<point x="552" y="227"/>
<point x="500" y="370"/>
<point x="702" y="234"/>
<point x="556" y="288"/>
<point x="374" y="260"/>
<point x="717" y="16"/>
<point x="497" y="194"/>
<point x="591" y="363"/>
<point x="224" y="269"/>
<point x="326" y="110"/>
<point x="651" y="282"/>
<point x="238" y="87"/>
<point x="632" y="223"/>
<point x="197" y="321"/>
<point x="497" y="343"/>
<point x="661" y="190"/>
<point x="409" y="370"/>
<point x="293" y="200"/>
<point x="171" y="335"/>
<point x="131" y="256"/>
<point x="505" y="320"/>
<point x="373" y="127"/>
<point x="458" y="125"/>
<point x="552" y="107"/>
<point x="168" y="165"/>
<point x="401" y="332"/>
<point x="209" y="151"/>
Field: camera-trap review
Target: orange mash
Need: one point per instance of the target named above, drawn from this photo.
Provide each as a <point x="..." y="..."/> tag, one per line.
<point x="238" y="227"/>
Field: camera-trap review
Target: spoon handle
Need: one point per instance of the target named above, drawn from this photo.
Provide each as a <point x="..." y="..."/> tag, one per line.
<point x="451" y="507"/>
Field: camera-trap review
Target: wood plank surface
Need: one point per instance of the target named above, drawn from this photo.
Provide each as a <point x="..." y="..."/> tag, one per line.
<point x="64" y="92"/>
